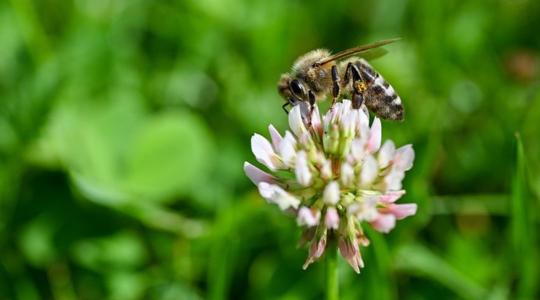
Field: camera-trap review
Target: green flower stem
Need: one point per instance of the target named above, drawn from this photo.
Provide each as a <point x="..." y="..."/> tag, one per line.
<point x="332" y="279"/>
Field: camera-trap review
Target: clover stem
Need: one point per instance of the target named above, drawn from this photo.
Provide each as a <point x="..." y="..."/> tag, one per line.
<point x="332" y="279"/>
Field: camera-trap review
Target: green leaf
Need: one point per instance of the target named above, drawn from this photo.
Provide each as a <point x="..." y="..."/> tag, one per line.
<point x="36" y="241"/>
<point x="171" y="152"/>
<point x="125" y="155"/>
<point x="123" y="250"/>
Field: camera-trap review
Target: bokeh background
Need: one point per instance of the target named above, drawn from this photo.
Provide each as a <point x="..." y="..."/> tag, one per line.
<point x="124" y="125"/>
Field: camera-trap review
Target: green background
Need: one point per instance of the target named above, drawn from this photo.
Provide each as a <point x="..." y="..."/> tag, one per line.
<point x="124" y="125"/>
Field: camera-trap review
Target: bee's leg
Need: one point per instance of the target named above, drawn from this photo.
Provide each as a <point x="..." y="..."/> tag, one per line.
<point x="357" y="100"/>
<point x="284" y="106"/>
<point x="311" y="98"/>
<point x="356" y="75"/>
<point x="347" y="76"/>
<point x="352" y="74"/>
<point x="335" y="84"/>
<point x="358" y="86"/>
<point x="291" y="102"/>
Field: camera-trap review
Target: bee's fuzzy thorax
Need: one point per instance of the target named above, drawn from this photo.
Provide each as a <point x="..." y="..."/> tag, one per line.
<point x="307" y="60"/>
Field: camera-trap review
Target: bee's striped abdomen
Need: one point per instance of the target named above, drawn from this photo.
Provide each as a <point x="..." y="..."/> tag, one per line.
<point x="381" y="98"/>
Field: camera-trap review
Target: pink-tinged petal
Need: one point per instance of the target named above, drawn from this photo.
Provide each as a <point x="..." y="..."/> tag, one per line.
<point x="331" y="219"/>
<point x="307" y="235"/>
<point x="401" y="211"/>
<point x="365" y="210"/>
<point x="266" y="190"/>
<point x="349" y="122"/>
<point x="306" y="141"/>
<point x="257" y="175"/>
<point x="365" y="110"/>
<point x="403" y="158"/>
<point x="276" y="137"/>
<point x="374" y="141"/>
<point x="331" y="193"/>
<point x="305" y="110"/>
<point x="308" y="217"/>
<point x="393" y="180"/>
<point x="386" y="154"/>
<point x="392" y="196"/>
<point x="358" y="150"/>
<point x="315" y="251"/>
<point x="275" y="194"/>
<point x="264" y="153"/>
<point x="332" y="115"/>
<point x="326" y="120"/>
<point x="316" y="121"/>
<point x="370" y="170"/>
<point x="346" y="106"/>
<point x="384" y="223"/>
<point x="347" y="174"/>
<point x="287" y="149"/>
<point x="303" y="174"/>
<point x="349" y="250"/>
<point x="363" y="119"/>
<point x="363" y="133"/>
<point x="295" y="121"/>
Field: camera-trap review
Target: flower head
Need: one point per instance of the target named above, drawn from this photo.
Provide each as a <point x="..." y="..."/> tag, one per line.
<point x="333" y="173"/>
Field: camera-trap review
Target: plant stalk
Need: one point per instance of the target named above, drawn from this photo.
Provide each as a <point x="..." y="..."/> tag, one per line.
<point x="332" y="279"/>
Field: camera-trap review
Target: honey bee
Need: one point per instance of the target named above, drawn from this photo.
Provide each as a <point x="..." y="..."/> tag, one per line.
<point x="318" y="74"/>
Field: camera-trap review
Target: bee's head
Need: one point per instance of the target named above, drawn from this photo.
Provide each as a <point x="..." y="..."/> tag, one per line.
<point x="292" y="88"/>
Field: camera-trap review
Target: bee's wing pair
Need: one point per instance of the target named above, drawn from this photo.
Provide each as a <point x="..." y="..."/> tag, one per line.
<point x="369" y="51"/>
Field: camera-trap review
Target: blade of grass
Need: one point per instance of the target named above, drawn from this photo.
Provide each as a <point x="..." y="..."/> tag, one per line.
<point x="523" y="235"/>
<point x="493" y="204"/>
<point x="222" y="256"/>
<point x="419" y="260"/>
<point x="36" y="40"/>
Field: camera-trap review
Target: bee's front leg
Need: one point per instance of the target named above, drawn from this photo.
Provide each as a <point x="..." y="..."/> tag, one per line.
<point x="311" y="99"/>
<point x="335" y="84"/>
<point x="284" y="106"/>
<point x="290" y="101"/>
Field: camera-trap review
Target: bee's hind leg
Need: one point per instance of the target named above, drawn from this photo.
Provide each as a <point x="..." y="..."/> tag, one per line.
<point x="358" y="85"/>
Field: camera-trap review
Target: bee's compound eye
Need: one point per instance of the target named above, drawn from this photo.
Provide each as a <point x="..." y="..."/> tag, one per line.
<point x="297" y="88"/>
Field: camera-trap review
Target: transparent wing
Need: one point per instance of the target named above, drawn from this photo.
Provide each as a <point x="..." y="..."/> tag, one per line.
<point x="368" y="51"/>
<point x="374" y="53"/>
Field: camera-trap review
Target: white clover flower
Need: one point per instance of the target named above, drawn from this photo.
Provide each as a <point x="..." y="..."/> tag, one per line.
<point x="333" y="173"/>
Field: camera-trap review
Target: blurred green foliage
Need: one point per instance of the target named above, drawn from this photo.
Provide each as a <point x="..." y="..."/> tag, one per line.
<point x="124" y="126"/>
